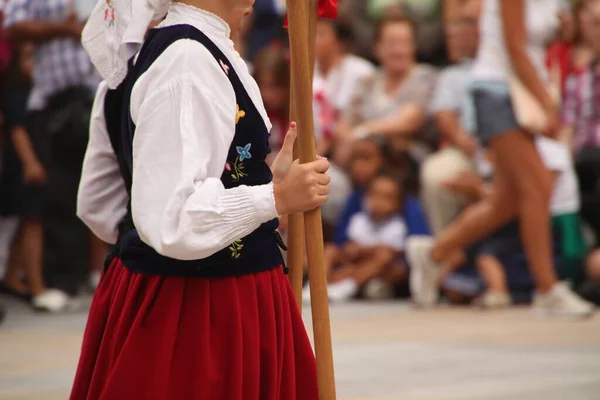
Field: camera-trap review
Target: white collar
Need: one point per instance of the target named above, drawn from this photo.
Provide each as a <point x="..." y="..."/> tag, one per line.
<point x="200" y="19"/>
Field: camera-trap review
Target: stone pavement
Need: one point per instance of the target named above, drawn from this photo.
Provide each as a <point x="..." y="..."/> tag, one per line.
<point x="382" y="351"/>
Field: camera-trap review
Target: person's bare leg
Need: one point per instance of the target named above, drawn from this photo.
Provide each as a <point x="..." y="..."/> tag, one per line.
<point x="451" y="263"/>
<point x="31" y="247"/>
<point x="517" y="156"/>
<point x="492" y="272"/>
<point x="592" y="265"/>
<point x="479" y="219"/>
<point x="12" y="277"/>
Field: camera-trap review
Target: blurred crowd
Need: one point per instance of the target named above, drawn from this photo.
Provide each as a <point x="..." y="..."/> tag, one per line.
<point x="390" y="102"/>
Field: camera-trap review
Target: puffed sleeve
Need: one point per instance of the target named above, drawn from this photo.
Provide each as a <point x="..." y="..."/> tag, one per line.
<point x="102" y="197"/>
<point x="184" y="111"/>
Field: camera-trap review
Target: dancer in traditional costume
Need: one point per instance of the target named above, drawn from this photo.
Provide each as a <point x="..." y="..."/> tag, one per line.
<point x="195" y="303"/>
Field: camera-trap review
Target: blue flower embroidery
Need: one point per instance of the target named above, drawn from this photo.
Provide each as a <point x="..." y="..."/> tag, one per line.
<point x="244" y="152"/>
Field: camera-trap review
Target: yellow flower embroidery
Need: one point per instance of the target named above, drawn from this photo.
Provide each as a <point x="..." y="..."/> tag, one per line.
<point x="239" y="114"/>
<point x="236" y="249"/>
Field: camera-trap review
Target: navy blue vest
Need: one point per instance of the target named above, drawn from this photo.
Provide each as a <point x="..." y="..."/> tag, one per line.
<point x="246" y="165"/>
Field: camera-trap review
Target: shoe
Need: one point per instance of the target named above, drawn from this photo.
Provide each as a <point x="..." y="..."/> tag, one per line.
<point x="561" y="301"/>
<point x="378" y="289"/>
<point x="491" y="300"/>
<point x="51" y="300"/>
<point x="424" y="272"/>
<point x="8" y="290"/>
<point x="343" y="290"/>
<point x="306" y="294"/>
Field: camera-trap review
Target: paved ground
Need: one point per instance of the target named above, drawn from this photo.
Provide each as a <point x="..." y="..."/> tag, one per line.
<point x="382" y="352"/>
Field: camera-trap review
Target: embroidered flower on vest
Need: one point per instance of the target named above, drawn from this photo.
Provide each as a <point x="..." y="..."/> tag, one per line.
<point x="109" y="13"/>
<point x="236" y="248"/>
<point x="225" y="67"/>
<point x="239" y="114"/>
<point x="238" y="165"/>
<point x="244" y="152"/>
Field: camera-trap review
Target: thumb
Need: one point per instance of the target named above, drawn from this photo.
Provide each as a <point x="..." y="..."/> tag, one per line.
<point x="290" y="139"/>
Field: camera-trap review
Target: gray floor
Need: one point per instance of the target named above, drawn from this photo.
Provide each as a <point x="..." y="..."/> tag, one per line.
<point x="382" y="351"/>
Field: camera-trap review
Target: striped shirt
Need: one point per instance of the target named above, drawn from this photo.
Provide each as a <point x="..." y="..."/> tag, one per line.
<point x="60" y="63"/>
<point x="581" y="107"/>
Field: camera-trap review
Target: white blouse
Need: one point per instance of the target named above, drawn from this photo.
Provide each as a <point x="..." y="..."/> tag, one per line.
<point x="184" y="110"/>
<point x="541" y="23"/>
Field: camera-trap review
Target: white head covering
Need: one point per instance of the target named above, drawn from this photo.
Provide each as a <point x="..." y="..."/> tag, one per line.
<point x="115" y="31"/>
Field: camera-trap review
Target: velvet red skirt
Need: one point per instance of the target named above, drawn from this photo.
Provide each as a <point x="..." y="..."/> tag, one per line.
<point x="166" y="338"/>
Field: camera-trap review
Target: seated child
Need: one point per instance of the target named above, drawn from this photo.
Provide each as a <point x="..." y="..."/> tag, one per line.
<point x="376" y="243"/>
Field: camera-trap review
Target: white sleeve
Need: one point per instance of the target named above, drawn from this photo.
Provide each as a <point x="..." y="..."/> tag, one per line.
<point x="184" y="109"/>
<point x="394" y="234"/>
<point x="554" y="154"/>
<point x="102" y="197"/>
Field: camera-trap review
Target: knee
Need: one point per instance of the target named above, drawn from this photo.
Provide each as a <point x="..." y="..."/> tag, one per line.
<point x="593" y="265"/>
<point x="442" y="166"/>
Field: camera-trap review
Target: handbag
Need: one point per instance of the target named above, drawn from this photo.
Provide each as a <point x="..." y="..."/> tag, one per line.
<point x="529" y="113"/>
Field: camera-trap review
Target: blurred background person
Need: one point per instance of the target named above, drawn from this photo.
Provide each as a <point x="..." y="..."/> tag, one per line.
<point x="22" y="182"/>
<point x="513" y="34"/>
<point x="393" y="101"/>
<point x="272" y="74"/>
<point x="64" y="81"/>
<point x="457" y="146"/>
<point x="337" y="74"/>
<point x="581" y="117"/>
<point x="372" y="257"/>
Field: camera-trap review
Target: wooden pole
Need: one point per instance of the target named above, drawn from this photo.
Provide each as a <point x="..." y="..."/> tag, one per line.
<point x="299" y="12"/>
<point x="295" y="255"/>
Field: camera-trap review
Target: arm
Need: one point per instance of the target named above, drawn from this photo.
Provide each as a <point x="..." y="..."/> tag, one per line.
<point x="39" y="31"/>
<point x="409" y="119"/>
<point x="33" y="170"/>
<point x="446" y="105"/>
<point x="180" y="206"/>
<point x="515" y="35"/>
<point x="449" y="126"/>
<point x="102" y="198"/>
<point x="22" y="24"/>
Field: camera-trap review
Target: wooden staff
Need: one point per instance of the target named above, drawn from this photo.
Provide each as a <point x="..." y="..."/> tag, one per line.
<point x="295" y="255"/>
<point x="299" y="14"/>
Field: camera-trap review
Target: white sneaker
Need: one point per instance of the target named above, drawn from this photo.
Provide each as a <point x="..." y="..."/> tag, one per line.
<point x="424" y="272"/>
<point x="561" y="301"/>
<point x="343" y="290"/>
<point x="378" y="289"/>
<point x="50" y="300"/>
<point x="306" y="294"/>
<point x="491" y="300"/>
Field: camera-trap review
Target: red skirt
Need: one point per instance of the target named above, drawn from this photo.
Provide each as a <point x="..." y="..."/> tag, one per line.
<point x="167" y="338"/>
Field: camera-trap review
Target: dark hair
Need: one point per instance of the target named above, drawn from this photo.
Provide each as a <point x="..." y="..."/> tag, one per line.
<point x="397" y="162"/>
<point x="394" y="19"/>
<point x="272" y="59"/>
<point x="343" y="31"/>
